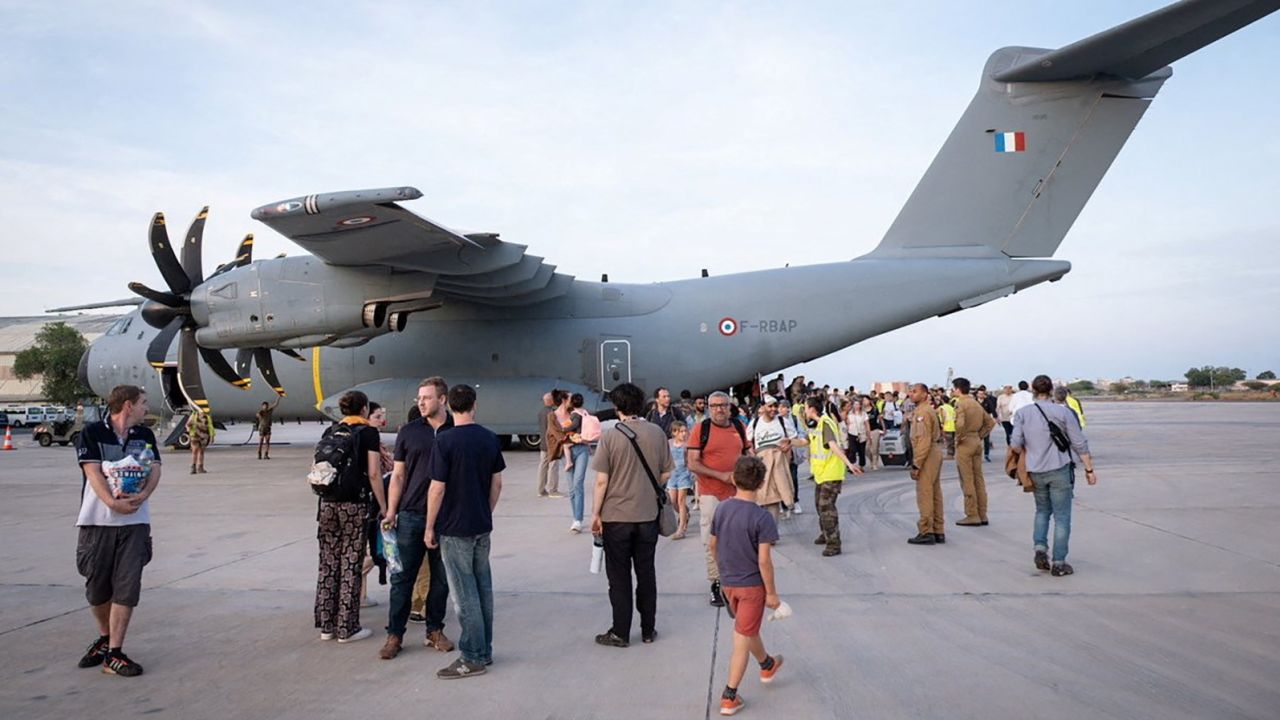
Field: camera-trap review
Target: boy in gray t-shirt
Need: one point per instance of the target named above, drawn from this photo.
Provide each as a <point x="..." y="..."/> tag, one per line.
<point x="742" y="537"/>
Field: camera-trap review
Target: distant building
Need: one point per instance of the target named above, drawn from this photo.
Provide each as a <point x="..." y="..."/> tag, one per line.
<point x="19" y="333"/>
<point x="1179" y="387"/>
<point x="891" y="386"/>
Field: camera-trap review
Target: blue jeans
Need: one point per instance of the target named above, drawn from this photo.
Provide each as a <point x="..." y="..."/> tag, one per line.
<point x="466" y="560"/>
<point x="410" y="527"/>
<point x="577" y="477"/>
<point x="1053" y="497"/>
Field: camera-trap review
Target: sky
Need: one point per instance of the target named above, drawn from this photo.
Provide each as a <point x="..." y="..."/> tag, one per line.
<point x="642" y="140"/>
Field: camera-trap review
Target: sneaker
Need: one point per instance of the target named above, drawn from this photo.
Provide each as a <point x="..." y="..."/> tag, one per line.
<point x="649" y="637"/>
<point x="576" y="527"/>
<point x="731" y="706"/>
<point x="360" y="634"/>
<point x="326" y="636"/>
<point x="766" y="676"/>
<point x="416" y="617"/>
<point x="117" y="663"/>
<point x="461" y="669"/>
<point x="1060" y="569"/>
<point x="554" y="494"/>
<point x="96" y="653"/>
<point x="717" y="600"/>
<point x="1042" y="560"/>
<point x="797" y="510"/>
<point x="436" y="640"/>
<point x="609" y="639"/>
<point x="391" y="648"/>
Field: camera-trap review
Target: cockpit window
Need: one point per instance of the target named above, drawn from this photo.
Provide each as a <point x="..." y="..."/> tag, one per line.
<point x="119" y="326"/>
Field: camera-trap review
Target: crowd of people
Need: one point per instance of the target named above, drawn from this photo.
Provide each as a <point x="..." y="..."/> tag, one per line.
<point x="735" y="462"/>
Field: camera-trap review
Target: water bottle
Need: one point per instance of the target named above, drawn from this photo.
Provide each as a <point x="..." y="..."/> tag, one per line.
<point x="148" y="457"/>
<point x="597" y="554"/>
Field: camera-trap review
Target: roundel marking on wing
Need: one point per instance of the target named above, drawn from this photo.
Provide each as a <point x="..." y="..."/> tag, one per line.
<point x="728" y="326"/>
<point x="357" y="220"/>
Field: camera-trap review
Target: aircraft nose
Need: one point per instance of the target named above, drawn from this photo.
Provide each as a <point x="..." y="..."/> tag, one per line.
<point x="82" y="372"/>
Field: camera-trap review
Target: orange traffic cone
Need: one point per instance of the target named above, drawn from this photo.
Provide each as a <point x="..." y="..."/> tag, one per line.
<point x="8" y="439"/>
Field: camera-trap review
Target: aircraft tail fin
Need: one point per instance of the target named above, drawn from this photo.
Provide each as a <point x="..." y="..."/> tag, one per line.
<point x="1042" y="130"/>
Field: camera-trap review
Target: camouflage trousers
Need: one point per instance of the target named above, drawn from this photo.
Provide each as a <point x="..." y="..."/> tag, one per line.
<point x="825" y="495"/>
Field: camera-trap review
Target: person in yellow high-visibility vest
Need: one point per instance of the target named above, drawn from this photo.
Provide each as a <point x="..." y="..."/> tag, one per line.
<point x="947" y="416"/>
<point x="827" y="462"/>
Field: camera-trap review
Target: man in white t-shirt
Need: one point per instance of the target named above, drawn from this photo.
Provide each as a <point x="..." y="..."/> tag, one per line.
<point x="115" y="525"/>
<point x="1021" y="399"/>
<point x="770" y="440"/>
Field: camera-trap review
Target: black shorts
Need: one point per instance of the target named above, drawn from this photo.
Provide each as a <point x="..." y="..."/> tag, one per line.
<point x="111" y="560"/>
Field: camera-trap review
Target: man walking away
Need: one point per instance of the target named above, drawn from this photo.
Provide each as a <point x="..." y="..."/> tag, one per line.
<point x="988" y="404"/>
<point x="972" y="425"/>
<point x="633" y="455"/>
<point x="407" y="515"/>
<point x="1004" y="415"/>
<point x="1051" y="470"/>
<point x="714" y="446"/>
<point x="548" y="464"/>
<point x="115" y="524"/>
<point x="466" y="479"/>
<point x="827" y="462"/>
<point x="742" y="537"/>
<point x="926" y="469"/>
<point x="1020" y="399"/>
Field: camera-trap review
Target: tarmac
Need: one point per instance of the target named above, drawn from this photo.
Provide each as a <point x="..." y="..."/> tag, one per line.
<point x="1174" y="610"/>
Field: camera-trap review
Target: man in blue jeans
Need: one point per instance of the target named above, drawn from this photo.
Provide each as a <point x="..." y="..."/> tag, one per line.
<point x="407" y="514"/>
<point x="466" y="480"/>
<point x="1051" y="469"/>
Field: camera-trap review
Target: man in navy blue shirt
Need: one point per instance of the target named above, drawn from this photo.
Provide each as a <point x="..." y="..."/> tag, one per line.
<point x="407" y="514"/>
<point x="466" y="480"/>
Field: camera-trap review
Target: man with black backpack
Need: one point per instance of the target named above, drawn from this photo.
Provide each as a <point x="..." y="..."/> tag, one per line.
<point x="1048" y="433"/>
<point x="715" y="445"/>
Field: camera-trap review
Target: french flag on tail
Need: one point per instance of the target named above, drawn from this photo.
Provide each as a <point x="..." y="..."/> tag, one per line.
<point x="1011" y="142"/>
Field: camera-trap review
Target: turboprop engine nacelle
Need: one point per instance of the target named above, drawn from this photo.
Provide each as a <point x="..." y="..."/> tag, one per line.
<point x="304" y="302"/>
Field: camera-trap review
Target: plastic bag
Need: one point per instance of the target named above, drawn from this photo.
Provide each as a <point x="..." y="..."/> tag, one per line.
<point x="391" y="550"/>
<point x="782" y="612"/>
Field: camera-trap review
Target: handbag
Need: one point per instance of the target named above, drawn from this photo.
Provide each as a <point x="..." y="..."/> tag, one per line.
<point x="1056" y="433"/>
<point x="667" y="520"/>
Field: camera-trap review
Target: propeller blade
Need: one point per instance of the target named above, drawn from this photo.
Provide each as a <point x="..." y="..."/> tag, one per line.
<point x="267" y="366"/>
<point x="158" y="350"/>
<point x="222" y="368"/>
<point x="165" y="259"/>
<point x="291" y="353"/>
<point x="191" y="249"/>
<point x="244" y="256"/>
<point x="244" y="253"/>
<point x="189" y="369"/>
<point x="244" y="361"/>
<point x="164" y="298"/>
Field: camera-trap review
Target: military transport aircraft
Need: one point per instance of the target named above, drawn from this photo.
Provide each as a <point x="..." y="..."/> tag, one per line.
<point x="387" y="296"/>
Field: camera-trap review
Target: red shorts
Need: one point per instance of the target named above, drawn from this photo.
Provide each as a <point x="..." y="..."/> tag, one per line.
<point x="747" y="606"/>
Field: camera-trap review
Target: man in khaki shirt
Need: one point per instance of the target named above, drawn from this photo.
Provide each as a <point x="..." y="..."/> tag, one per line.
<point x="973" y="423"/>
<point x="626" y="512"/>
<point x="926" y="468"/>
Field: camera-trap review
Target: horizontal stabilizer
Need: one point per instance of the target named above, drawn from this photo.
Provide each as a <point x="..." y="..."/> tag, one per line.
<point x="1142" y="46"/>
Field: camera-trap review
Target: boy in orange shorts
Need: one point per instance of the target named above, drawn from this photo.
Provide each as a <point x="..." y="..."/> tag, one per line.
<point x="742" y="536"/>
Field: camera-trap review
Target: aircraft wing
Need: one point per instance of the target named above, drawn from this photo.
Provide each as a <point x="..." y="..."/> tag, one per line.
<point x="368" y="227"/>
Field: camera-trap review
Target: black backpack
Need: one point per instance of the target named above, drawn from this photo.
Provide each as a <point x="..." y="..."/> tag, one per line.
<point x="335" y="473"/>
<point x="704" y="433"/>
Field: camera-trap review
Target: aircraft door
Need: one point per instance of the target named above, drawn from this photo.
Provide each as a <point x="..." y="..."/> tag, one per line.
<point x="615" y="363"/>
